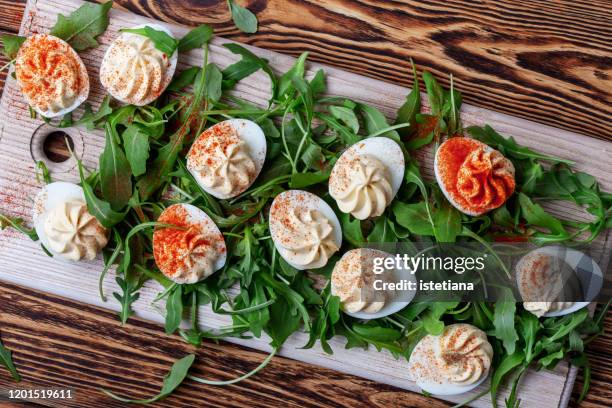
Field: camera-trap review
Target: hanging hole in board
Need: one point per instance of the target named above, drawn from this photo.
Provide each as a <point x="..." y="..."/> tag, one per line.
<point x="52" y="146"/>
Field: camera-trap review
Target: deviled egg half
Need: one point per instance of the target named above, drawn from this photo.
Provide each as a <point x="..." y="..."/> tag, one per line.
<point x="134" y="71"/>
<point x="456" y="361"/>
<point x="227" y="157"/>
<point x="354" y="280"/>
<point x="64" y="225"/>
<point x="548" y="275"/>
<point x="474" y="177"/>
<point x="191" y="248"/>
<point x="367" y="176"/>
<point x="304" y="228"/>
<point x="51" y="75"/>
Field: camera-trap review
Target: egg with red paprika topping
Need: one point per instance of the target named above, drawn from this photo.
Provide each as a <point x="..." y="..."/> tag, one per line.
<point x="134" y="71"/>
<point x="189" y="247"/>
<point x="227" y="157"/>
<point x="51" y="75"/>
<point x="474" y="177"/>
<point x="304" y="229"/>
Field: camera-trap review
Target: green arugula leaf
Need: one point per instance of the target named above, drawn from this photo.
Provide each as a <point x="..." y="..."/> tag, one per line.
<point x="346" y="116"/>
<point x="172" y="380"/>
<point x="535" y="215"/>
<point x="301" y="180"/>
<point x="411" y="107"/>
<point x="249" y="58"/>
<point x="7" y="361"/>
<point x="447" y="223"/>
<point x="504" y="312"/>
<point x="83" y="25"/>
<point x="285" y="83"/>
<point x="174" y="310"/>
<point x="212" y="86"/>
<point x="115" y="172"/>
<point x="244" y="19"/>
<point x="414" y="217"/>
<point x="128" y="296"/>
<point x="184" y="79"/>
<point x="44" y="176"/>
<point x="161" y="39"/>
<point x="435" y="93"/>
<point x="11" y="44"/>
<point x="91" y="119"/>
<point x="136" y="143"/>
<point x="17" y="224"/>
<point x="351" y="229"/>
<point x="375" y="121"/>
<point x="508" y="363"/>
<point x="98" y="208"/>
<point x="195" y="38"/>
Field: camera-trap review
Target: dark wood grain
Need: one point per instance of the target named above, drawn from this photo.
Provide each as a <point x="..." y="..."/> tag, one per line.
<point x="61" y="343"/>
<point x="548" y="61"/>
<point x="541" y="60"/>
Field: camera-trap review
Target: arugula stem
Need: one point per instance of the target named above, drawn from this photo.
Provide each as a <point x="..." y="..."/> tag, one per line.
<point x="466" y="232"/>
<point x="111" y="261"/>
<point x="165" y="293"/>
<point x="388" y="129"/>
<point x="284" y="139"/>
<point x="305" y="133"/>
<point x="241" y="378"/>
<point x="5" y="66"/>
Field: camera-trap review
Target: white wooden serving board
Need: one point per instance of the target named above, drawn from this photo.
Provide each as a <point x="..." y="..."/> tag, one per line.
<point x="22" y="262"/>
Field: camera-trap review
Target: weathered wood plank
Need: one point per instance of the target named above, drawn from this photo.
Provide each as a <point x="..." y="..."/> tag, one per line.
<point x="545" y="61"/>
<point x="57" y="342"/>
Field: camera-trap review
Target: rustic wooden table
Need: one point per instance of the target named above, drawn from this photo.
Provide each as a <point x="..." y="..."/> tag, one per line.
<point x="546" y="61"/>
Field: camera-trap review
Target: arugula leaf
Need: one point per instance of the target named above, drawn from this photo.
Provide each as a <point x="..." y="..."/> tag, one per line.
<point x="91" y="119"/>
<point x="434" y="92"/>
<point x="195" y="38"/>
<point x="249" y="58"/>
<point x="172" y="380"/>
<point x="7" y="360"/>
<point x="11" y="44"/>
<point x="98" y="208"/>
<point x="504" y="312"/>
<point x="508" y="363"/>
<point x="83" y="25"/>
<point x="136" y="144"/>
<point x="411" y="107"/>
<point x="115" y="172"/>
<point x="447" y="223"/>
<point x="508" y="147"/>
<point x="413" y="217"/>
<point x="244" y="19"/>
<point x="375" y="121"/>
<point x="128" y="296"/>
<point x="346" y="116"/>
<point x="174" y="310"/>
<point x="301" y="180"/>
<point x="161" y="39"/>
<point x="17" y="224"/>
<point x="351" y="229"/>
<point x="535" y="215"/>
<point x="212" y="86"/>
<point x="184" y="79"/>
<point x="285" y="83"/>
<point x="44" y="175"/>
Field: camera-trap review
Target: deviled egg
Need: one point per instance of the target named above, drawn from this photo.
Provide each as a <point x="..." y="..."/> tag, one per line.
<point x="193" y="249"/>
<point x="549" y="278"/>
<point x="51" y="75"/>
<point x="64" y="225"/>
<point x="134" y="71"/>
<point x="304" y="228"/>
<point x="367" y="176"/>
<point x="358" y="279"/>
<point x="474" y="177"/>
<point x="456" y="361"/>
<point x="227" y="157"/>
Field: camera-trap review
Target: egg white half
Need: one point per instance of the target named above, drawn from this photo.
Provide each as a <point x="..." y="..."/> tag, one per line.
<point x="387" y="151"/>
<point x="574" y="259"/>
<point x="253" y="136"/>
<point x="49" y="197"/>
<point x="314" y="202"/>
<point x="168" y="74"/>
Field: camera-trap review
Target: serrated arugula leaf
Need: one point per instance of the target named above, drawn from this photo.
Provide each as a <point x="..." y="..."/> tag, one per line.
<point x="174" y="309"/>
<point x="83" y="25"/>
<point x="504" y="321"/>
<point x="254" y="61"/>
<point x="184" y="79"/>
<point x="11" y="44"/>
<point x="17" y="224"/>
<point x="126" y="298"/>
